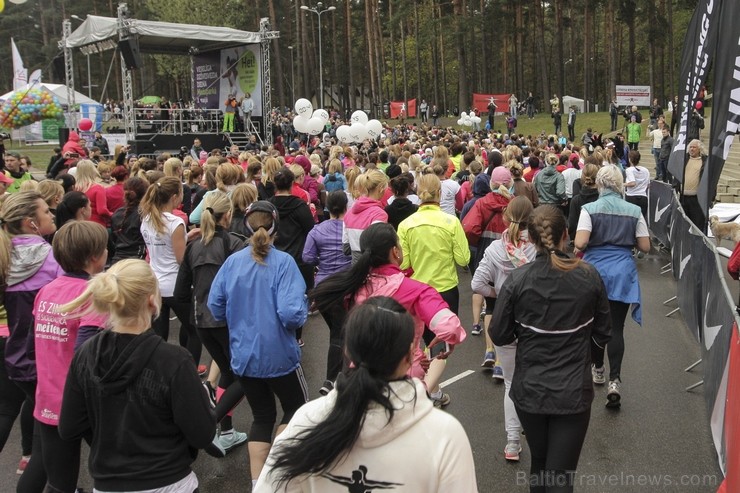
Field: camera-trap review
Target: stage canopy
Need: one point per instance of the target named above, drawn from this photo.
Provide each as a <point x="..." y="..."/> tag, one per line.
<point x="58" y="90"/>
<point x="161" y="37"/>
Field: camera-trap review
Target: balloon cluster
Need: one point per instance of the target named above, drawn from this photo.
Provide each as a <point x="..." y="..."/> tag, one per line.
<point x="468" y="120"/>
<point x="313" y="122"/>
<point x="360" y="129"/>
<point x="26" y="107"/>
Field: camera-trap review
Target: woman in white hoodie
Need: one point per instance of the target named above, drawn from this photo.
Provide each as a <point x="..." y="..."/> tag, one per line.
<point x="372" y="431"/>
<point x="502" y="256"/>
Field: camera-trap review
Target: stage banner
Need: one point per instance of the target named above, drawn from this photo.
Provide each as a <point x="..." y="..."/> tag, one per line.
<point x="633" y="95"/>
<point x="732" y="423"/>
<point x="718" y="318"/>
<point x="407" y="109"/>
<point x="725" y="102"/>
<point x="698" y="50"/>
<point x="232" y="71"/>
<point x="206" y="74"/>
<point x="481" y="101"/>
<point x="660" y="198"/>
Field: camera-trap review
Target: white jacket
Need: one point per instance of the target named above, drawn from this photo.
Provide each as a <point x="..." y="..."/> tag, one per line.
<point x="497" y="264"/>
<point x="422" y="449"/>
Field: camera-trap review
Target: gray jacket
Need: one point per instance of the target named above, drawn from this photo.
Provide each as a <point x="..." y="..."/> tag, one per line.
<point x="550" y="186"/>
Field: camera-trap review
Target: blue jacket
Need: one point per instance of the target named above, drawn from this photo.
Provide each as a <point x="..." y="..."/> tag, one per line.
<point x="263" y="306"/>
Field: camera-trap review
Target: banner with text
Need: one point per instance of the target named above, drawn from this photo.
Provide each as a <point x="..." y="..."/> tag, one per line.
<point x="633" y="95"/>
<point x="481" y="102"/>
<point x="232" y="71"/>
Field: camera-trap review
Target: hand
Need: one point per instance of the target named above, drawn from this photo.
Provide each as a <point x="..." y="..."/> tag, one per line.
<point x="443" y="354"/>
<point x="193" y="234"/>
<point x="424" y="363"/>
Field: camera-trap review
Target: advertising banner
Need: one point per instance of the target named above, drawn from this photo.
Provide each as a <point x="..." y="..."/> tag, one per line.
<point x="633" y="95"/>
<point x="406" y="110"/>
<point x="660" y="198"/>
<point x="481" y="102"/>
<point x="233" y="71"/>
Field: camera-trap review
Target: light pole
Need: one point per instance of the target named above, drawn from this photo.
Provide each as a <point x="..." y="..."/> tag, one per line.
<point x="292" y="72"/>
<point x="318" y="11"/>
<point x="89" y="82"/>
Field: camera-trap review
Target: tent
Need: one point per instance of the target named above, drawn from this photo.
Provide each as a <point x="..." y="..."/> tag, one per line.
<point x="569" y="101"/>
<point x="58" y="90"/>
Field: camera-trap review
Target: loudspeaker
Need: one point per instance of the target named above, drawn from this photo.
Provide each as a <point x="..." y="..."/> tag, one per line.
<point x="139" y="147"/>
<point x="63" y="135"/>
<point x="130" y="50"/>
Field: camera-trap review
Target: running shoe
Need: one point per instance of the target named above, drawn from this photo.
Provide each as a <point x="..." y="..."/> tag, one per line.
<point x="476" y="330"/>
<point x="498" y="373"/>
<point x="202" y="370"/>
<point x="327" y="387"/>
<point x="211" y="393"/>
<point x="512" y="450"/>
<point x="301" y="343"/>
<point x="597" y="375"/>
<point x="215" y="449"/>
<point x="22" y="464"/>
<point x="489" y="360"/>
<point x="613" y="397"/>
<point x="231" y="439"/>
<point x="442" y="400"/>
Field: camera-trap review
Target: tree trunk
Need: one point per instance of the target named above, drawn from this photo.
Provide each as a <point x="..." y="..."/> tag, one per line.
<point x="462" y="79"/>
<point x="418" y="53"/>
<point x="370" y="51"/>
<point x="671" y="51"/>
<point x="519" y="49"/>
<point x="613" y="60"/>
<point x="540" y="52"/>
<point x="394" y="80"/>
<point x="558" y="40"/>
<point x="351" y="102"/>
<point x="403" y="67"/>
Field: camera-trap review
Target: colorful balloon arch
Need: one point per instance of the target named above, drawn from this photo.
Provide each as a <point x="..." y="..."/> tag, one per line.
<point x="25" y="107"/>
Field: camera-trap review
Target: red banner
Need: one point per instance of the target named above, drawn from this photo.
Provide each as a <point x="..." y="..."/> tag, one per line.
<point x="481" y="102"/>
<point x="732" y="411"/>
<point x="405" y="110"/>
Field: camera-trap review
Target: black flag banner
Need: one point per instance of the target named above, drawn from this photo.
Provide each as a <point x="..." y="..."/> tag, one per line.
<point x="725" y="102"/>
<point x="698" y="50"/>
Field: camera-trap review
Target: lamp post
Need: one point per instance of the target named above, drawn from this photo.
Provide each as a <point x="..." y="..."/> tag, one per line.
<point x="318" y="11"/>
<point x="292" y="72"/>
<point x="89" y="82"/>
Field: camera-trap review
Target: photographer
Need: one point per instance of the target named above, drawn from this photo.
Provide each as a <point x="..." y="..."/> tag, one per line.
<point x="696" y="123"/>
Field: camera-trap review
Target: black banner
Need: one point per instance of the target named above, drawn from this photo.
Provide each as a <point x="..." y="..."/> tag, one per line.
<point x="725" y="102"/>
<point x="660" y="199"/>
<point x="698" y="50"/>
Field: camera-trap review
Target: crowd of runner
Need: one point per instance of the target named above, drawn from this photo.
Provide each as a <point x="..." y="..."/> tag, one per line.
<point x="241" y="244"/>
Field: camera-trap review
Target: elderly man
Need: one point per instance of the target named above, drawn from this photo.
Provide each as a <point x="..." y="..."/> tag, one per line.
<point x="695" y="162"/>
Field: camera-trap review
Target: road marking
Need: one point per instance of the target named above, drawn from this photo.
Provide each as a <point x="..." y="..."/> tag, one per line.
<point x="454" y="379"/>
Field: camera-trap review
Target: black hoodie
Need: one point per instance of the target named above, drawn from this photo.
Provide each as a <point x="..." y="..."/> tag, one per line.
<point x="141" y="403"/>
<point x="295" y="223"/>
<point x="399" y="209"/>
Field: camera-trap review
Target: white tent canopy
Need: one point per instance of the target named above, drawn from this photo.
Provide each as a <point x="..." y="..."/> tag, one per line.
<point x="161" y="37"/>
<point x="569" y="101"/>
<point x="58" y="90"/>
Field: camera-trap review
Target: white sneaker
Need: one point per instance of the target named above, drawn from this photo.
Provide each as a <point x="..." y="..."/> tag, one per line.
<point x="231" y="439"/>
<point x="597" y="375"/>
<point x="613" y="397"/>
<point x="512" y="450"/>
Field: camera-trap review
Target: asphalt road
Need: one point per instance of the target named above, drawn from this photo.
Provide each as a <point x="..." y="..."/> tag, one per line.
<point x="658" y="441"/>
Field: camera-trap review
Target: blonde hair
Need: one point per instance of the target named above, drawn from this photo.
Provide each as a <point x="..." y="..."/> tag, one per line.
<point x="334" y="152"/>
<point x="351" y="175"/>
<point x="228" y="175"/>
<point x="50" y="190"/>
<point x="297" y="171"/>
<point x="156" y="196"/>
<point x="429" y="188"/>
<point x="517" y="214"/>
<point x="588" y="175"/>
<point x="243" y="195"/>
<point x="86" y="175"/>
<point x="261" y="240"/>
<point x="16" y="207"/>
<point x="371" y="182"/>
<point x="552" y="160"/>
<point x="414" y="161"/>
<point x="269" y="168"/>
<point x="172" y="167"/>
<point x="123" y="292"/>
<point x="441" y="152"/>
<point x="546" y="228"/>
<point x="29" y="186"/>
<point x="335" y="166"/>
<point x="315" y="160"/>
<point x="215" y="206"/>
<point x="610" y="178"/>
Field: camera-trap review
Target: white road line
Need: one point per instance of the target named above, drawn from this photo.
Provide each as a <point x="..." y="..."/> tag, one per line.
<point x="454" y="379"/>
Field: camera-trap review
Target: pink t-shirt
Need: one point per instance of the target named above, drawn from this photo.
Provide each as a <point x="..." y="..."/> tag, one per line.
<point x="55" y="335"/>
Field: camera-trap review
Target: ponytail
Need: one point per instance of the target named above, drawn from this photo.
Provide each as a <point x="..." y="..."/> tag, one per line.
<point x="156" y="196"/>
<point x="217" y="205"/>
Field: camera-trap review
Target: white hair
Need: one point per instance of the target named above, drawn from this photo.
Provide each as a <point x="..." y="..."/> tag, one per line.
<point x="699" y="144"/>
<point x="610" y="178"/>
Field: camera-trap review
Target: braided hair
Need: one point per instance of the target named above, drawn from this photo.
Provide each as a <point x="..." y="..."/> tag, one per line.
<point x="546" y="229"/>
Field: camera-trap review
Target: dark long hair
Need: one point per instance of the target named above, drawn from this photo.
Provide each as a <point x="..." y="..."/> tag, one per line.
<point x="67" y="209"/>
<point x="375" y="244"/>
<point x="378" y="335"/>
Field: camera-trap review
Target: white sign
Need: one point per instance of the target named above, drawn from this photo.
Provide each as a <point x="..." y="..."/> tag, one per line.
<point x="633" y="95"/>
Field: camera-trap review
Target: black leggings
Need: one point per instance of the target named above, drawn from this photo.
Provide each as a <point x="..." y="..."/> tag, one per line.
<point x="290" y="389"/>
<point x="13" y="402"/>
<point x="34" y="477"/>
<point x="53" y="458"/>
<point x="216" y="341"/>
<point x="188" y="337"/>
<point x="334" y="318"/>
<point x="555" y="443"/>
<point x="615" y="347"/>
<point x="640" y="201"/>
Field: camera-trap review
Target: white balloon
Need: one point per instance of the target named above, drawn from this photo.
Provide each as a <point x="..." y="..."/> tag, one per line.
<point x="301" y="124"/>
<point x="357" y="132"/>
<point x="467" y="121"/>
<point x="343" y="134"/>
<point x="476" y="119"/>
<point x="304" y="107"/>
<point x="315" y="126"/>
<point x="321" y="113"/>
<point x="463" y="115"/>
<point x="359" y="116"/>
<point x="18" y="2"/>
<point x="374" y="129"/>
<point x="460" y="121"/>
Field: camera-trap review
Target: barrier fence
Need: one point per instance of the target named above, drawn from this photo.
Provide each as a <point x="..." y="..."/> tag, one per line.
<point x="709" y="312"/>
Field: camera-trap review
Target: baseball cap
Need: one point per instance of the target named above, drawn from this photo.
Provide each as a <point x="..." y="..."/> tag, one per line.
<point x="263" y="206"/>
